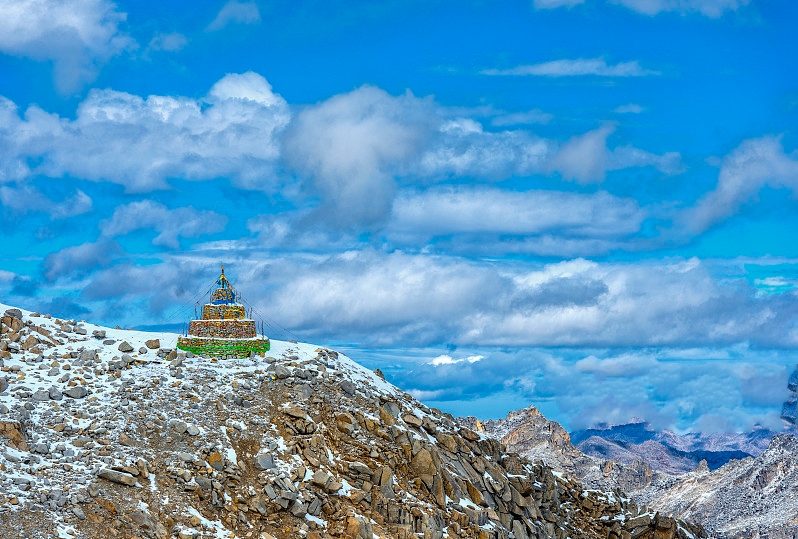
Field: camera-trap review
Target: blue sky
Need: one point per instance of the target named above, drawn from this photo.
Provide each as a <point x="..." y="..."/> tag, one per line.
<point x="589" y="205"/>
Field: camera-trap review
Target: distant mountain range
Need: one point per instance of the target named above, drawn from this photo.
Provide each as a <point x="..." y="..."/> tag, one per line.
<point x="667" y="451"/>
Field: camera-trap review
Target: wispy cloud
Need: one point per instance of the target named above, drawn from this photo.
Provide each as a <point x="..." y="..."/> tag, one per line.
<point x="631" y="108"/>
<point x="535" y="116"/>
<point x="552" y="4"/>
<point x="709" y="8"/>
<point x="573" y="68"/>
<point x="754" y="164"/>
<point x="170" y="42"/>
<point x="235" y="12"/>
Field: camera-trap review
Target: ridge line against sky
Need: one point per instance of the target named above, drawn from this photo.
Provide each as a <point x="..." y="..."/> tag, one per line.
<point x="592" y="197"/>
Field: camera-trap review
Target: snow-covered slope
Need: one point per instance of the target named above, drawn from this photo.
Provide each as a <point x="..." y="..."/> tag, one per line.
<point x="113" y="433"/>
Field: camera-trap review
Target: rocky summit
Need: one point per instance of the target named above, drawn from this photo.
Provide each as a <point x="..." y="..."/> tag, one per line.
<point x="752" y="497"/>
<point x="113" y="433"/>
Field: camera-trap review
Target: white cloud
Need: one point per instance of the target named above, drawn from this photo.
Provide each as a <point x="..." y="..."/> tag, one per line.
<point x="141" y="143"/>
<point x="464" y="149"/>
<point x="77" y="36"/>
<point x="754" y="164"/>
<point x="79" y="260"/>
<point x="494" y="211"/>
<point x="352" y="146"/>
<point x="631" y="108"/>
<point x="584" y="157"/>
<point x="710" y="8"/>
<point x="551" y="4"/>
<point x="25" y="198"/>
<point x="579" y="67"/>
<point x="171" y="42"/>
<point x="446" y="359"/>
<point x="235" y="12"/>
<point x="171" y="225"/>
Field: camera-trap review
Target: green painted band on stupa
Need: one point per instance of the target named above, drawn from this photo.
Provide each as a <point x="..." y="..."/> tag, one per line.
<point x="223" y="347"/>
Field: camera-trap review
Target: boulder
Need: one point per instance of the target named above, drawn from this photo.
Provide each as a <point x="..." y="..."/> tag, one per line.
<point x="125" y="347"/>
<point x="117" y="477"/>
<point x="153" y="344"/>
<point x="264" y="461"/>
<point x="77" y="392"/>
<point x="13" y="313"/>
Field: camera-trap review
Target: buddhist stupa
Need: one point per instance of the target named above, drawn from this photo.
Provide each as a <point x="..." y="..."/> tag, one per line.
<point x="224" y="330"/>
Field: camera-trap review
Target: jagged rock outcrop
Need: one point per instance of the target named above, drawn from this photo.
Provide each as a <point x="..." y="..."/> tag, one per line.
<point x="530" y="434"/>
<point x="302" y="443"/>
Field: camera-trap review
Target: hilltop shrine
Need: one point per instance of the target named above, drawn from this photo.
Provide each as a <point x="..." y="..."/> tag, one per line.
<point x="224" y="330"/>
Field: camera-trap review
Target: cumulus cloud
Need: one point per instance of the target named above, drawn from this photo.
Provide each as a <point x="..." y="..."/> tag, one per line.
<point x="755" y="164"/>
<point x="141" y="143"/>
<point x="235" y="12"/>
<point x="710" y="8"/>
<point x="352" y="146"/>
<point x="77" y="36"/>
<point x="418" y="299"/>
<point x="171" y="225"/>
<point x="580" y="67"/>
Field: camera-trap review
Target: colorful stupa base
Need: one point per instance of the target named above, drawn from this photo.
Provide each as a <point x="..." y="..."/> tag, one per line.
<point x="223" y="331"/>
<point x="223" y="348"/>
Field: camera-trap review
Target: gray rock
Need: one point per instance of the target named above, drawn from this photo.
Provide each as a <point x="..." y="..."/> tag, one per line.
<point x="117" y="477"/>
<point x="204" y="483"/>
<point x="77" y="392"/>
<point x="127" y="358"/>
<point x="108" y="342"/>
<point x="264" y="461"/>
<point x="192" y="430"/>
<point x="179" y="426"/>
<point x="78" y="512"/>
<point x="54" y="371"/>
<point x="185" y="457"/>
<point x="81" y="331"/>
<point x="143" y="350"/>
<point x="87" y="355"/>
<point x="125" y="347"/>
<point x="348" y="387"/>
<point x="298" y="509"/>
<point x="98" y="333"/>
<point x="15" y="313"/>
<point x="281" y="372"/>
<point x="41" y="395"/>
<point x="41" y="448"/>
<point x="3" y="384"/>
<point x="55" y="394"/>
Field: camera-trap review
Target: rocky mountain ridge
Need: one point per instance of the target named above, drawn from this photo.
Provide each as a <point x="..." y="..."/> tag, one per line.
<point x="754" y="497"/>
<point x="113" y="433"/>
